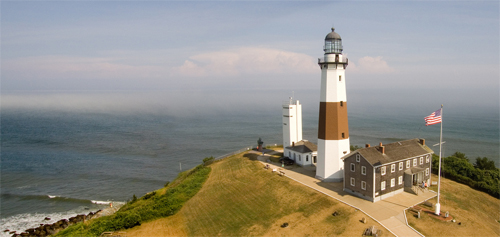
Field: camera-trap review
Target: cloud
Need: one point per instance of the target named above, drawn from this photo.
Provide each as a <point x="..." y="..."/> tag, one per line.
<point x="72" y="67"/>
<point x="246" y="61"/>
<point x="371" y="65"/>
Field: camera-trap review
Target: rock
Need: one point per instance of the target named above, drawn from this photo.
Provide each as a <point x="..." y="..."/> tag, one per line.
<point x="6" y="230"/>
<point x="284" y="225"/>
<point x="335" y="214"/>
<point x="46" y="219"/>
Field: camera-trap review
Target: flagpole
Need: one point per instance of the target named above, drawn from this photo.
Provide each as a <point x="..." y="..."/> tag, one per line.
<point x="438" y="205"/>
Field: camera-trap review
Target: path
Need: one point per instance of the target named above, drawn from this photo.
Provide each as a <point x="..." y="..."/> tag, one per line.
<point x="389" y="212"/>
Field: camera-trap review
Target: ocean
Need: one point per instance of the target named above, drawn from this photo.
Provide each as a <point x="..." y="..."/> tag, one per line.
<point x="70" y="153"/>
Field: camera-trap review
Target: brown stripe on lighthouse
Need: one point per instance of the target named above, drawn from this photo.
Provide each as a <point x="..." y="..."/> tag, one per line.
<point x="333" y="121"/>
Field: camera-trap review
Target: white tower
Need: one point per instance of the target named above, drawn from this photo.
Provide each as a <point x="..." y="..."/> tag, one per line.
<point x="333" y="130"/>
<point x="292" y="122"/>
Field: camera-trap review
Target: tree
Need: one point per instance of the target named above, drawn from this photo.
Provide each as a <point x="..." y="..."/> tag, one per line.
<point x="484" y="164"/>
<point x="353" y="148"/>
<point x="460" y="155"/>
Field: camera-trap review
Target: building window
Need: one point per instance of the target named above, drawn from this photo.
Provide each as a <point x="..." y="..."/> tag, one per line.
<point x="307" y="158"/>
<point x="382" y="185"/>
<point x="363" y="185"/>
<point x="422" y="160"/>
<point x="294" y="156"/>
<point x="289" y="154"/>
<point x="400" y="165"/>
<point x="340" y="77"/>
<point x="408" y="164"/>
<point x="353" y="167"/>
<point x="363" y="170"/>
<point x="415" y="162"/>
<point x="357" y="158"/>
<point x="426" y="171"/>
<point x="393" y="168"/>
<point x="382" y="170"/>
<point x="427" y="159"/>
<point x="400" y="180"/>
<point x="300" y="158"/>
<point x="353" y="182"/>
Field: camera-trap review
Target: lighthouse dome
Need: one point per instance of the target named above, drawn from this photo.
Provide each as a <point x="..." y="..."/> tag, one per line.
<point x="333" y="43"/>
<point x="332" y="35"/>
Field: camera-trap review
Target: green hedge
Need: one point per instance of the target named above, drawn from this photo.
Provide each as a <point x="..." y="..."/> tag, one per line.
<point x="478" y="176"/>
<point x="149" y="207"/>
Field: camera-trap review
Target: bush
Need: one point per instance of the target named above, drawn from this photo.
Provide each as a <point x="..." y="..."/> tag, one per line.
<point x="208" y="160"/>
<point x="480" y="176"/>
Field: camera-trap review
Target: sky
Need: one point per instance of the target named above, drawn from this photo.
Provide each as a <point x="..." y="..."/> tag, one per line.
<point x="403" y="50"/>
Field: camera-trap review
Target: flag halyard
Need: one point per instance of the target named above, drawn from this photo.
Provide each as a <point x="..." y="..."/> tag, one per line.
<point x="434" y="118"/>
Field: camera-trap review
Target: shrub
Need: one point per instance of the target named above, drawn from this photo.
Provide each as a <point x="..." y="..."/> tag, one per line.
<point x="480" y="176"/>
<point x="208" y="160"/>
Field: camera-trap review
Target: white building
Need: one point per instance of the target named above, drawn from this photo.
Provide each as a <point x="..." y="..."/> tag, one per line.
<point x="303" y="152"/>
<point x="292" y="122"/>
<point x="333" y="130"/>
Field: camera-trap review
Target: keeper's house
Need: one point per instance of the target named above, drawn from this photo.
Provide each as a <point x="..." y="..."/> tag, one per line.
<point x="377" y="172"/>
<point x="304" y="152"/>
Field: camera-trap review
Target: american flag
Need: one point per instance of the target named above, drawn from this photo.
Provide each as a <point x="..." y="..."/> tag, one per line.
<point x="434" y="118"/>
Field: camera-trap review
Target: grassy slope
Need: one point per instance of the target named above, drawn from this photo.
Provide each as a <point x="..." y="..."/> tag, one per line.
<point x="478" y="212"/>
<point x="241" y="198"/>
<point x="161" y="203"/>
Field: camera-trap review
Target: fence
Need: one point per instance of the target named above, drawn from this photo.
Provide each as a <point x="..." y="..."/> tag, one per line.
<point x="233" y="153"/>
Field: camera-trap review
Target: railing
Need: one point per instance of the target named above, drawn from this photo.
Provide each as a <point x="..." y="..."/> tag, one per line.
<point x="343" y="60"/>
<point x="289" y="102"/>
<point x="233" y="153"/>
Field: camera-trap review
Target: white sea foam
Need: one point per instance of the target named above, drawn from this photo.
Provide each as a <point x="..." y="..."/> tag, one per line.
<point x="22" y="222"/>
<point x="101" y="202"/>
<point x="52" y="196"/>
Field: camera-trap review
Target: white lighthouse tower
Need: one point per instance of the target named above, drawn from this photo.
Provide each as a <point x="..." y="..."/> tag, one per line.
<point x="333" y="130"/>
<point x="292" y="122"/>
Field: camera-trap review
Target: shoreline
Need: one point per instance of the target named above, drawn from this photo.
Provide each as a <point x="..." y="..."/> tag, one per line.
<point x="55" y="227"/>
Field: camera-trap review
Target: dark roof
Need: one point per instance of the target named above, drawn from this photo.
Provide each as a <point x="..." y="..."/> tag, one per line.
<point x="303" y="146"/>
<point x="332" y="35"/>
<point x="394" y="152"/>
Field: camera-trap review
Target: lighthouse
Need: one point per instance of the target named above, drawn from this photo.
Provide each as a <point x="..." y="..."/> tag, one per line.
<point x="333" y="130"/>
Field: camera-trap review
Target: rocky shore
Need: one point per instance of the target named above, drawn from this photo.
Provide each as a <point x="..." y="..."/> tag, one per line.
<point x="52" y="229"/>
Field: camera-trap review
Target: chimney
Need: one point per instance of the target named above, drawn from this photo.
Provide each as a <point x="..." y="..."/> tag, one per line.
<point x="293" y="144"/>
<point x="367" y="145"/>
<point x="381" y="148"/>
<point x="422" y="141"/>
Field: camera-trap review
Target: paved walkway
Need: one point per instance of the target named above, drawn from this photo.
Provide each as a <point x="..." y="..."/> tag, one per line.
<point x="389" y="212"/>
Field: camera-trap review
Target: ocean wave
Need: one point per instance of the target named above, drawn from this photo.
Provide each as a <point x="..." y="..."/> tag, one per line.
<point x="57" y="198"/>
<point x="101" y="202"/>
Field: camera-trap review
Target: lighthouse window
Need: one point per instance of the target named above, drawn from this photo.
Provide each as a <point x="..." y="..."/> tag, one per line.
<point x="340" y="78"/>
<point x="343" y="136"/>
<point x="341" y="103"/>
